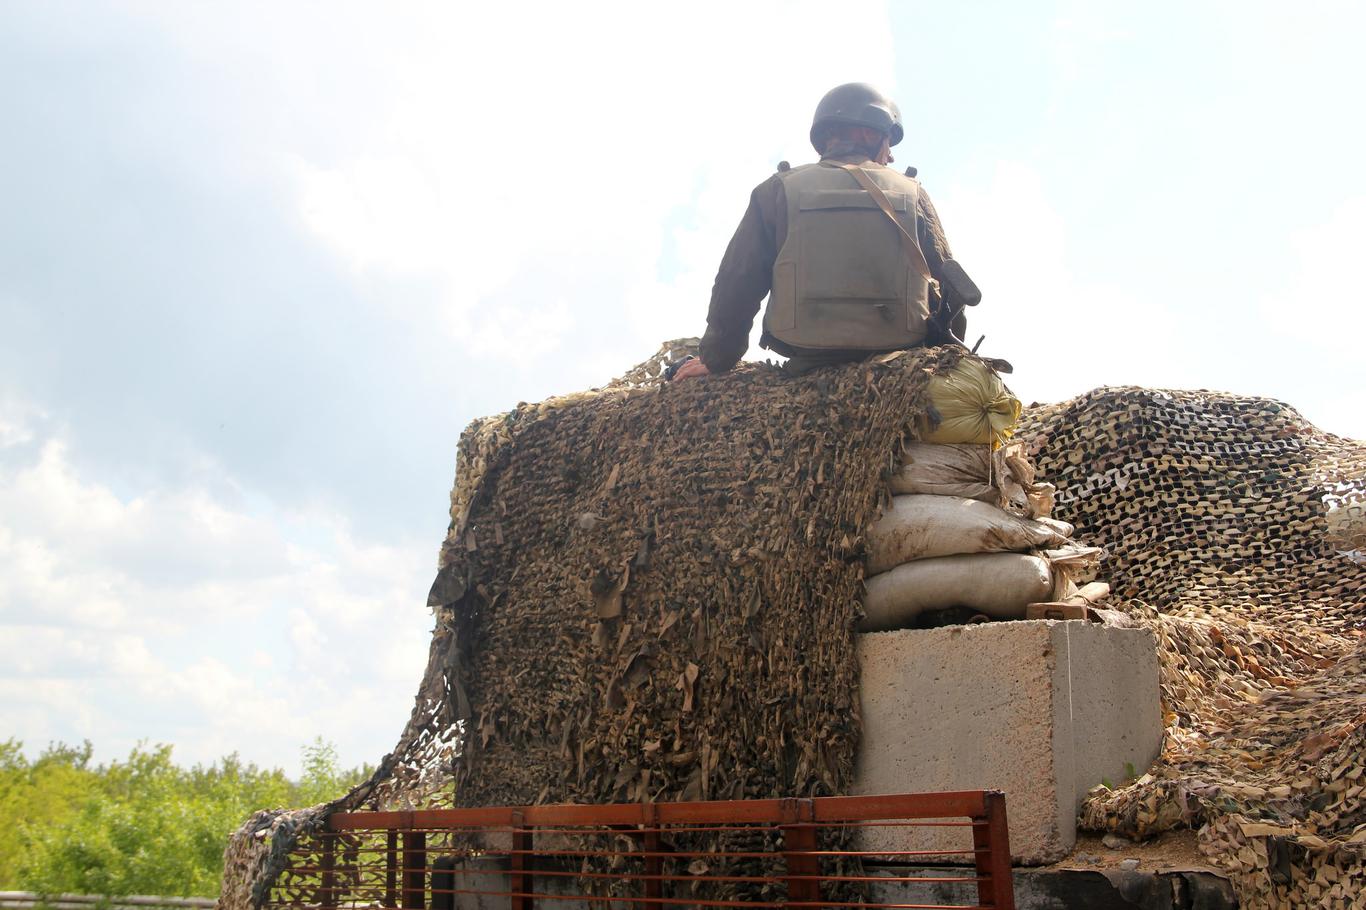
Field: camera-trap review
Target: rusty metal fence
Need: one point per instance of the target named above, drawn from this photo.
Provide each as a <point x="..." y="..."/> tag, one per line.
<point x="870" y="851"/>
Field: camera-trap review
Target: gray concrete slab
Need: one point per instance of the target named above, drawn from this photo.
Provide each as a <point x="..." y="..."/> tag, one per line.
<point x="1043" y="710"/>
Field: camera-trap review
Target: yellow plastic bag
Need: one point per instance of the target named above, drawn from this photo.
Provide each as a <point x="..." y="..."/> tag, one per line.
<point x="969" y="404"/>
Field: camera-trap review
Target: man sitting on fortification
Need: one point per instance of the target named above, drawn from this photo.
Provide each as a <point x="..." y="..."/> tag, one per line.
<point x="850" y="252"/>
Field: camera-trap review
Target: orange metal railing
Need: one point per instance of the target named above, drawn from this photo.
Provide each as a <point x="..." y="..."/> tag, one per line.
<point x="870" y="851"/>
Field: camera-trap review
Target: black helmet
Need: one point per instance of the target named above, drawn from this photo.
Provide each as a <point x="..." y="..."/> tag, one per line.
<point x="858" y="104"/>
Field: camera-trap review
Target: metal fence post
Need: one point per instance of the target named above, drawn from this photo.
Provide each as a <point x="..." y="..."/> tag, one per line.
<point x="414" y="870"/>
<point x="991" y="840"/>
<point x="327" y="886"/>
<point x="799" y="845"/>
<point x="391" y="868"/>
<point x="521" y="863"/>
<point x="654" y="863"/>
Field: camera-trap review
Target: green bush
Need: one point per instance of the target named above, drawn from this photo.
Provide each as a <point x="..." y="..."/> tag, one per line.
<point x="140" y="826"/>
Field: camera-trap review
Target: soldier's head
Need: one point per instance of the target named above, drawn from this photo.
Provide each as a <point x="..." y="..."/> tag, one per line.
<point x="844" y="139"/>
<point x="855" y="117"/>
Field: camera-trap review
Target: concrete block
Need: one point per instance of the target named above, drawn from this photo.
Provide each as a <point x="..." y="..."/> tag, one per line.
<point x="473" y="874"/>
<point x="1042" y="710"/>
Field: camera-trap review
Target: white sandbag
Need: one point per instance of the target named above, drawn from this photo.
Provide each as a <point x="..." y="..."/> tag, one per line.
<point x="922" y="527"/>
<point x="946" y="470"/>
<point x="1000" y="585"/>
<point x="1066" y="529"/>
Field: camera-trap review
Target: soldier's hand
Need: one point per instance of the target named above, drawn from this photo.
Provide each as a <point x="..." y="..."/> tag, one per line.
<point x="690" y="369"/>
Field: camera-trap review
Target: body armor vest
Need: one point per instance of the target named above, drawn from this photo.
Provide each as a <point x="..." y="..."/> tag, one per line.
<point x="842" y="279"/>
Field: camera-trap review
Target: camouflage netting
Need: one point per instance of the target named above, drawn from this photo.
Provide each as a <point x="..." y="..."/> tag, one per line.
<point x="661" y="588"/>
<point x="1235" y="532"/>
<point x="649" y="594"/>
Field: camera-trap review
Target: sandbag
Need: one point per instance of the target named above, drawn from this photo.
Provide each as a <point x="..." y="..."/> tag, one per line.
<point x="1066" y="529"/>
<point x="1021" y="490"/>
<point x="968" y="403"/>
<point x="946" y="470"/>
<point x="1000" y="585"/>
<point x="923" y="527"/>
<point x="1072" y="565"/>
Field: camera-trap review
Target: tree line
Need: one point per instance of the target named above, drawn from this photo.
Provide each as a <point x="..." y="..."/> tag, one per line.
<point x="144" y="825"/>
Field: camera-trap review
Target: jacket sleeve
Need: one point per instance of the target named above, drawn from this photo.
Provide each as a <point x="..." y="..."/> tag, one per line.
<point x="935" y="246"/>
<point x="742" y="281"/>
<point x="933" y="243"/>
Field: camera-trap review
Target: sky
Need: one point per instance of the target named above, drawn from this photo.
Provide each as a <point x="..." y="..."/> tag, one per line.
<point x="261" y="263"/>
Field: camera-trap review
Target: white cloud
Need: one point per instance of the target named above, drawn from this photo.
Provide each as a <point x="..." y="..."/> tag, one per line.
<point x="171" y="616"/>
<point x="1068" y="332"/>
<point x="1080" y="37"/>
<point x="1324" y="301"/>
<point x="522" y="335"/>
<point x="485" y="172"/>
<point x="16" y="422"/>
<point x="1064" y="332"/>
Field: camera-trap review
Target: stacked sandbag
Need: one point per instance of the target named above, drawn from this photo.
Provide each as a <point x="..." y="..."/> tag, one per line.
<point x="968" y="523"/>
<point x="920" y="527"/>
<point x="1001" y="476"/>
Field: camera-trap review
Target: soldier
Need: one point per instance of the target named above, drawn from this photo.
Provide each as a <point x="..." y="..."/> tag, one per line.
<point x="850" y="252"/>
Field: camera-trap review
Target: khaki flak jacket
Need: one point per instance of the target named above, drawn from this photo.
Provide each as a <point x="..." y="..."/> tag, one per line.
<point x="842" y="278"/>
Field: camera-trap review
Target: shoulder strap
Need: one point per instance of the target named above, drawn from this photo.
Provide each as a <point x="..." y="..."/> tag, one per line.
<point x="907" y="241"/>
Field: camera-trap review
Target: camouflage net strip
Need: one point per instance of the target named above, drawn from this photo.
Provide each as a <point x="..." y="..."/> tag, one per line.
<point x="1234" y="529"/>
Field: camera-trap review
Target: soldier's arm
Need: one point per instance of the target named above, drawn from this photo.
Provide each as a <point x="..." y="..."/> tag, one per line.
<point x="935" y="246"/>
<point x="933" y="243"/>
<point x="742" y="281"/>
